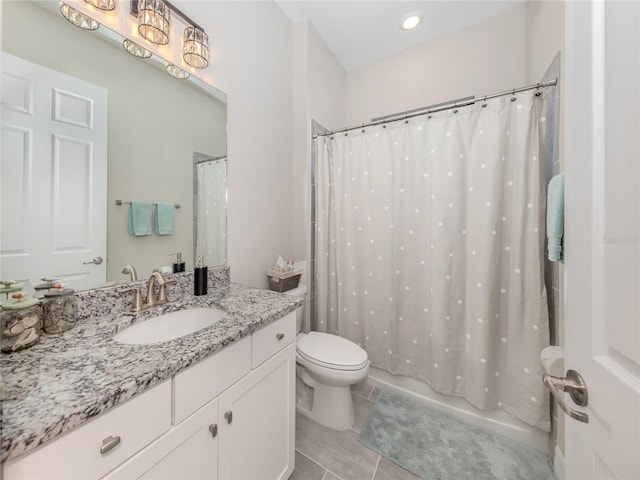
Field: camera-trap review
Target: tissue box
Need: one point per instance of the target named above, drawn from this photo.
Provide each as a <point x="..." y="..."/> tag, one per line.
<point x="282" y="281"/>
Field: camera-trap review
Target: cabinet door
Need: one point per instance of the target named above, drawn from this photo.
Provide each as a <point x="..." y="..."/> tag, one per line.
<point x="188" y="451"/>
<point x="257" y="422"/>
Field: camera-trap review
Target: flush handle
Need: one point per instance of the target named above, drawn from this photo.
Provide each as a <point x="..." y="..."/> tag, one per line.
<point x="109" y="444"/>
<point x="279" y="336"/>
<point x="228" y="416"/>
<point x="213" y="429"/>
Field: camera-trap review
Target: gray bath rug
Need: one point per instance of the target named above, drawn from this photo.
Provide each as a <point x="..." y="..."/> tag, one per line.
<point x="435" y="446"/>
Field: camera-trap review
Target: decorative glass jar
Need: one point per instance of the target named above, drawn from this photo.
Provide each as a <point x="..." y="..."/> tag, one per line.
<point x="59" y="310"/>
<point x="20" y="324"/>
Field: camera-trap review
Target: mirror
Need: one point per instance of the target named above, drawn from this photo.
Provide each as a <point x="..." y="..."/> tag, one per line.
<point x="155" y="124"/>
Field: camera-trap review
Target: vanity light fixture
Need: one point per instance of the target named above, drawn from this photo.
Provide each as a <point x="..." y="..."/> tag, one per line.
<point x="153" y="21"/>
<point x="106" y="5"/>
<point x="79" y="19"/>
<point x="177" y="72"/>
<point x="195" y="48"/>
<point x="134" y="49"/>
<point x="411" y="20"/>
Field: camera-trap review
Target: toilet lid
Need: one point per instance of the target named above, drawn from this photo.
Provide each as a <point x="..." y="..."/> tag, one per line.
<point x="332" y="351"/>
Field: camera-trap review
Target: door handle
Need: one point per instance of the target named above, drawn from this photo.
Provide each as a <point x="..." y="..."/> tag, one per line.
<point x="574" y="385"/>
<point x="95" y="261"/>
<point x="228" y="416"/>
<point x="213" y="429"/>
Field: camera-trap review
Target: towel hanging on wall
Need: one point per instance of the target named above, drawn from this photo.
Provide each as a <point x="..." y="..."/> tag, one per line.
<point x="164" y="218"/>
<point x="555" y="219"/>
<point x="140" y="219"/>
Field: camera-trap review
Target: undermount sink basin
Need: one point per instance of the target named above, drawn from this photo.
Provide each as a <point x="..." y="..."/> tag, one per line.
<point x="169" y="326"/>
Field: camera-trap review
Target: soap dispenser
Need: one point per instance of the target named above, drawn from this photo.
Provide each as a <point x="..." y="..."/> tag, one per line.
<point x="200" y="279"/>
<point x="178" y="265"/>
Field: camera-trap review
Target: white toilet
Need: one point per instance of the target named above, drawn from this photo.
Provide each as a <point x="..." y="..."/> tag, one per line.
<point x="330" y="365"/>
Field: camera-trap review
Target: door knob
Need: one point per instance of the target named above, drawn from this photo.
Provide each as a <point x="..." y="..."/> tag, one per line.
<point x="213" y="430"/>
<point x="228" y="416"/>
<point x="575" y="386"/>
<point x="95" y="261"/>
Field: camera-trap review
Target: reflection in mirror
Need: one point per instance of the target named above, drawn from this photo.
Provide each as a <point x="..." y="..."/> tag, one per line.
<point x="210" y="212"/>
<point x="153" y="124"/>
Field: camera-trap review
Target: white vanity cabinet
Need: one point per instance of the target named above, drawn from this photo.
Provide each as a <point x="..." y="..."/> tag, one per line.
<point x="189" y="451"/>
<point x="225" y="417"/>
<point x="257" y="422"/>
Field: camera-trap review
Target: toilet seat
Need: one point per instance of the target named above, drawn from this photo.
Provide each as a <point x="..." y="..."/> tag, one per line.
<point x="332" y="351"/>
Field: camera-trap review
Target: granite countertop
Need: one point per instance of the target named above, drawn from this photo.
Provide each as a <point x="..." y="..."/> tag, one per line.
<point x="67" y="379"/>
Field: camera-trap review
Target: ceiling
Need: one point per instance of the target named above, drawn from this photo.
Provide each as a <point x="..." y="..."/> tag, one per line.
<point x="361" y="32"/>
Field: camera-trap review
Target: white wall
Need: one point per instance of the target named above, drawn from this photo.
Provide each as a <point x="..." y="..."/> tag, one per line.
<point x="545" y="35"/>
<point x="252" y="61"/>
<point x="484" y="58"/>
<point x="319" y="94"/>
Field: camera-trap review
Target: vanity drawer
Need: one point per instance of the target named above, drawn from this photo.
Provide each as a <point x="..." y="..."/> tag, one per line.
<point x="220" y="370"/>
<point x="76" y="455"/>
<point x="269" y="340"/>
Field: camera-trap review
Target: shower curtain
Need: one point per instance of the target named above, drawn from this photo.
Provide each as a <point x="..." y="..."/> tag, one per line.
<point x="211" y="212"/>
<point x="429" y="249"/>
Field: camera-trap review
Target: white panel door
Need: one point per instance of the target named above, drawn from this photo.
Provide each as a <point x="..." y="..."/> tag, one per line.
<point x="602" y="154"/>
<point x="53" y="174"/>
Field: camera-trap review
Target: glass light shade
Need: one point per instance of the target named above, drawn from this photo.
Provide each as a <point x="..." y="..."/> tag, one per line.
<point x="134" y="49"/>
<point x="79" y="19"/>
<point x="195" y="48"/>
<point x="153" y="21"/>
<point x="177" y="72"/>
<point x="107" y="5"/>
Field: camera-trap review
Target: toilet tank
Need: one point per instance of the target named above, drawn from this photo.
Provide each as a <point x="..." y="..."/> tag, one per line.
<point x="299" y="292"/>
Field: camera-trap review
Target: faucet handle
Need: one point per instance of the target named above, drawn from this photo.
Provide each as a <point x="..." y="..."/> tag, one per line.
<point x="137" y="300"/>
<point x="162" y="296"/>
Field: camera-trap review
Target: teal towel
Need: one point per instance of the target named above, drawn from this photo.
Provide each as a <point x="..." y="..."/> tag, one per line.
<point x="555" y="218"/>
<point x="164" y="218"/>
<point x="140" y="219"/>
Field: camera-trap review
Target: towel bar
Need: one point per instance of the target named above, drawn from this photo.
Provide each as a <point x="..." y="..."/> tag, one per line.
<point x="120" y="202"/>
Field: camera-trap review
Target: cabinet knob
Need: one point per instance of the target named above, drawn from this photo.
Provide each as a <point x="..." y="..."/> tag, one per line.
<point x="279" y="336"/>
<point x="228" y="416"/>
<point x="213" y="428"/>
<point x="109" y="444"/>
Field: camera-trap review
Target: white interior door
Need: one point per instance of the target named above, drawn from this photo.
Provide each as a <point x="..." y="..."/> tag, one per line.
<point x="53" y="174"/>
<point x="602" y="153"/>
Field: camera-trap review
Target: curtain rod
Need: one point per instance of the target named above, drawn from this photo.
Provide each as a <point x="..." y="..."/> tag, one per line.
<point x="461" y="102"/>
<point x="210" y="159"/>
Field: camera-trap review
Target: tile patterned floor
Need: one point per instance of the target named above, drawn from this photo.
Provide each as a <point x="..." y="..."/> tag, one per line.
<point x="324" y="454"/>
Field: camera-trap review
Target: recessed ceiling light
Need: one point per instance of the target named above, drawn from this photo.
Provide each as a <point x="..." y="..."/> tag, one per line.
<point x="411" y="21"/>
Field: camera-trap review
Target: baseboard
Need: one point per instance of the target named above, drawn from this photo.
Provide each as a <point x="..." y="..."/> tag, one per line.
<point x="558" y="464"/>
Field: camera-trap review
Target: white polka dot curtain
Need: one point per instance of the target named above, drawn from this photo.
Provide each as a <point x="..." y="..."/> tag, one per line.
<point x="211" y="213"/>
<point x="429" y="250"/>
